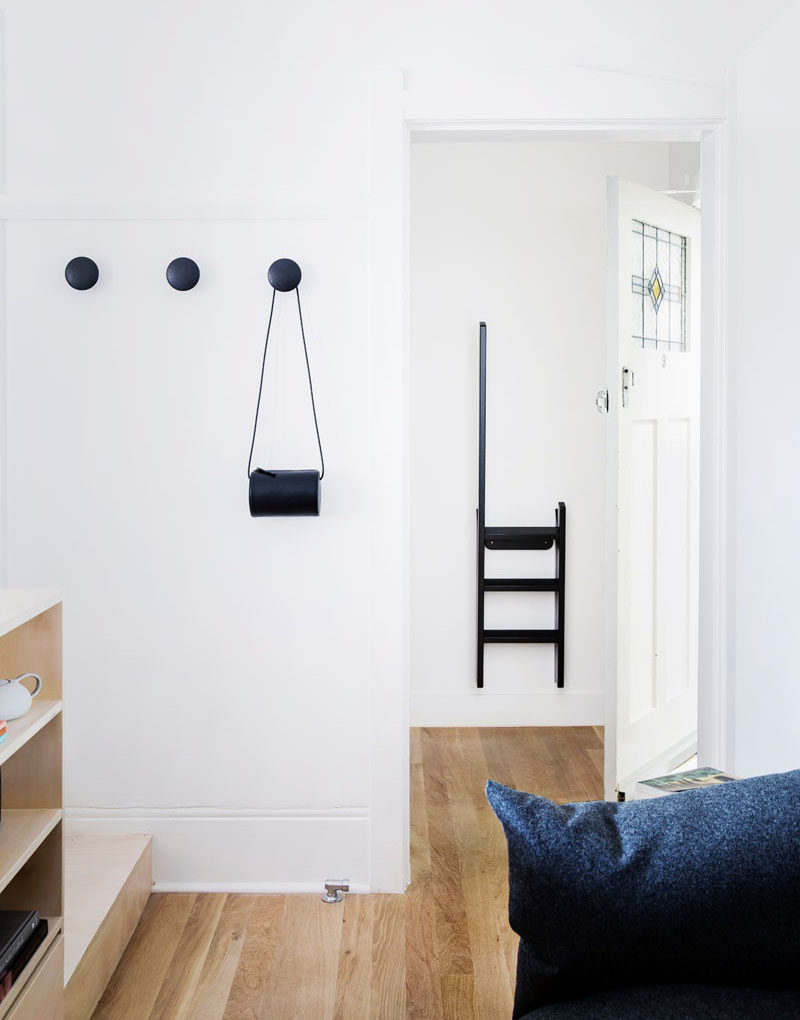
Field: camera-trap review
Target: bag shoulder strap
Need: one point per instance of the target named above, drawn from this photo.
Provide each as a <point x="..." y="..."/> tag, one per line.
<point x="261" y="384"/>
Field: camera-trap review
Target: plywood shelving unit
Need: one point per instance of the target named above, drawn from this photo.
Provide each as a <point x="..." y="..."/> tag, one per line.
<point x="31" y="823"/>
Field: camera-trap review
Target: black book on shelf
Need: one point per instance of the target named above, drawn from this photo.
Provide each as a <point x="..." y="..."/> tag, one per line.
<point x="16" y="927"/>
<point x="23" y="958"/>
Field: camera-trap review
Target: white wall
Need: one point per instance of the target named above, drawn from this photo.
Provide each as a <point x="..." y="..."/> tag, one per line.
<point x="217" y="675"/>
<point x="215" y="666"/>
<point x="513" y="233"/>
<point x="202" y="658"/>
<point x="765" y="258"/>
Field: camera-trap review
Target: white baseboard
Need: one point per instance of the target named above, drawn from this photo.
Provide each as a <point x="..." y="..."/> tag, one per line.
<point x="485" y="708"/>
<point x="273" y="888"/>
<point x="221" y="850"/>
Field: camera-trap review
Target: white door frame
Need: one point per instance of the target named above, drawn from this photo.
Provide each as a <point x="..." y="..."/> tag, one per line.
<point x="546" y="104"/>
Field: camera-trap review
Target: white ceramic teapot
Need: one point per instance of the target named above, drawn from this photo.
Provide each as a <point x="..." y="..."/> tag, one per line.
<point x="15" y="699"/>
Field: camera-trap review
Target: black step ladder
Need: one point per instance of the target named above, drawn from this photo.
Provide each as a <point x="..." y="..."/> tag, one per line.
<point x="517" y="538"/>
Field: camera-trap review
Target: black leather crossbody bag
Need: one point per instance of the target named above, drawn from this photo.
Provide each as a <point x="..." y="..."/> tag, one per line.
<point x="285" y="493"/>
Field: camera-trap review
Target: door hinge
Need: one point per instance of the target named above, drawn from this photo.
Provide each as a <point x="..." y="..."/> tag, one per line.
<point x="627" y="384"/>
<point x="601" y="401"/>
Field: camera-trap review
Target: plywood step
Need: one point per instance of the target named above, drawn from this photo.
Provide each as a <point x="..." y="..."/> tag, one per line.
<point x="107" y="883"/>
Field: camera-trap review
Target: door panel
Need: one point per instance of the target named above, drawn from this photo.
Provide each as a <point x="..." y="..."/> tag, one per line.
<point x="642" y="689"/>
<point x="674" y="559"/>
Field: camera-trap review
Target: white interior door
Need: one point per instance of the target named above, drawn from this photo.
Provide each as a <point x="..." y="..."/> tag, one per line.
<point x="654" y="266"/>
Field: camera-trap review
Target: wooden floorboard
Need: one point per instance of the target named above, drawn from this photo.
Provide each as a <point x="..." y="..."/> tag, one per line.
<point x="442" y="950"/>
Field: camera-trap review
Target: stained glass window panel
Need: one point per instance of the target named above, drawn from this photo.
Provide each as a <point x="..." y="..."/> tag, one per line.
<point x="658" y="288"/>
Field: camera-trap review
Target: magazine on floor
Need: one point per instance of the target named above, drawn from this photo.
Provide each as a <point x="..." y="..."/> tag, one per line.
<point x="678" y="782"/>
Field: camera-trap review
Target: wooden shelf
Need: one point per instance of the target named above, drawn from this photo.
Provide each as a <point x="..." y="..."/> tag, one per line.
<point x="31" y="827"/>
<point x="54" y="928"/>
<point x="18" y="606"/>
<point x="22" y="832"/>
<point x="21" y="730"/>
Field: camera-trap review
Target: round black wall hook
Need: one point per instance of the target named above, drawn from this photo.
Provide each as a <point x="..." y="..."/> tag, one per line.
<point x="81" y="273"/>
<point x="183" y="274"/>
<point x="284" y="274"/>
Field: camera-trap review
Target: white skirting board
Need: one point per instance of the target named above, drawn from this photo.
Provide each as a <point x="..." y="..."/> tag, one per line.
<point x="485" y="708"/>
<point x="217" y="850"/>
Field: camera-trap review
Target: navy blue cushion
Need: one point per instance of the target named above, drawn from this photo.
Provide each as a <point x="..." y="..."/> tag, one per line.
<point x="677" y="1002"/>
<point x="701" y="887"/>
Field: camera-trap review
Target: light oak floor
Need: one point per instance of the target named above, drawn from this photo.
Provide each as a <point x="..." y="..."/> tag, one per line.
<point x="444" y="949"/>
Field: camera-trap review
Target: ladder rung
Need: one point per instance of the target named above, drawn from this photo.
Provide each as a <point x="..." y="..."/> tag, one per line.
<point x="520" y="538"/>
<point x="521" y="584"/>
<point x="534" y="637"/>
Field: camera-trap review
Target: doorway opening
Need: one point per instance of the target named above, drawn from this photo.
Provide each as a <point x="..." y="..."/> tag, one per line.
<point x="515" y="232"/>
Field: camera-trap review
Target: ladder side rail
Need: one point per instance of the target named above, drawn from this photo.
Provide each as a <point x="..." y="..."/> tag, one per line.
<point x="481" y="512"/>
<point x="561" y="576"/>
<point x="482" y="431"/>
<point x="481" y="586"/>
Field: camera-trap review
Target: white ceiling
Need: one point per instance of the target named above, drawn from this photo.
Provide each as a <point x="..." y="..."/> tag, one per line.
<point x="690" y="40"/>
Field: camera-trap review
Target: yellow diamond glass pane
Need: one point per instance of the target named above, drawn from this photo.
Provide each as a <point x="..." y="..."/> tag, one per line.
<point x="658" y="287"/>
